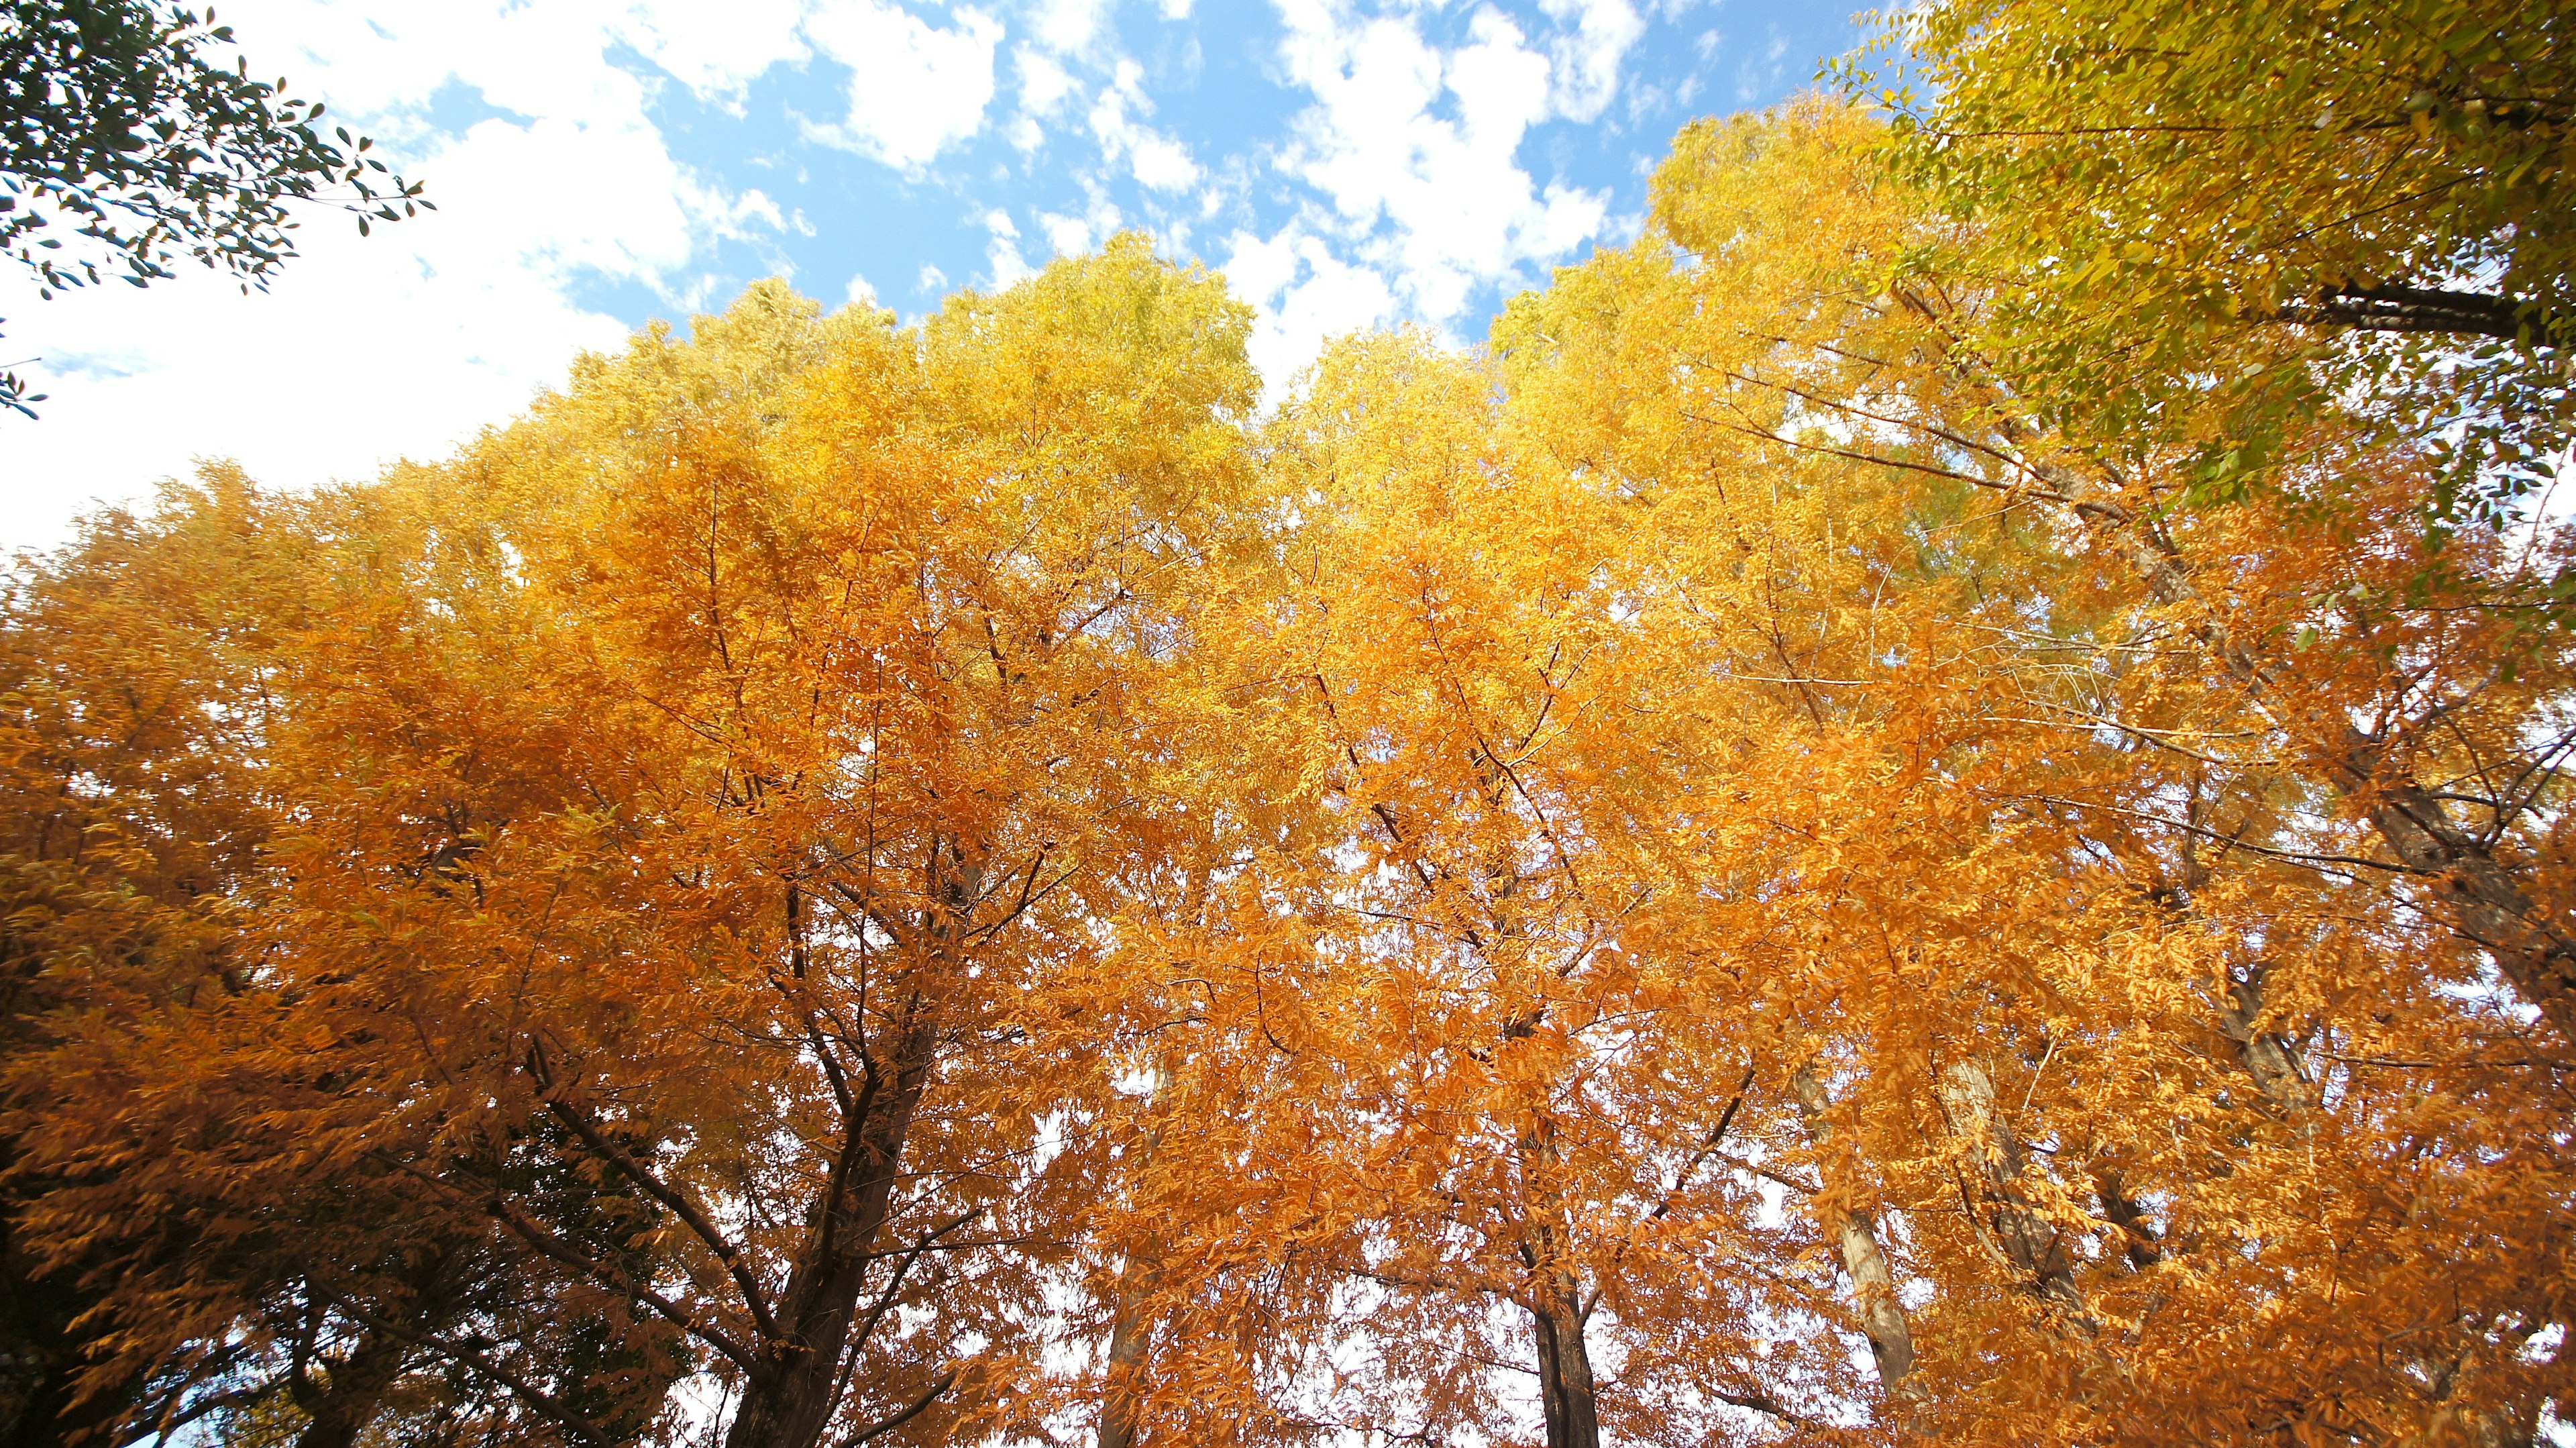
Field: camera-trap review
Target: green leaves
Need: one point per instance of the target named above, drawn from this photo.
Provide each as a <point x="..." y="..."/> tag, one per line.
<point x="113" y="110"/>
<point x="2150" y="193"/>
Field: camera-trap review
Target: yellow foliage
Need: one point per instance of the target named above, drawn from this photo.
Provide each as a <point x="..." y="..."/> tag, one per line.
<point x="1698" y="876"/>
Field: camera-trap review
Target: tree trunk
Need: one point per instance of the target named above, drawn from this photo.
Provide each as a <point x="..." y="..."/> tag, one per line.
<point x="790" y="1401"/>
<point x="1882" y="1313"/>
<point x="336" y="1413"/>
<point x="2138" y="1236"/>
<point x="2026" y="1240"/>
<point x="2266" y="1057"/>
<point x="352" y="1391"/>
<point x="1555" y="1300"/>
<point x="2489" y="907"/>
<point x="1130" y="1332"/>
<point x="1565" y="1369"/>
<point x="1131" y="1324"/>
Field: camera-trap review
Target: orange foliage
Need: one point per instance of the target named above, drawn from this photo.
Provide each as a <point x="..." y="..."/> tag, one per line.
<point x="1698" y="877"/>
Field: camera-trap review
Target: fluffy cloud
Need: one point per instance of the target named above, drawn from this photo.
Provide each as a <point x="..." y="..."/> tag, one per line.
<point x="1397" y="189"/>
<point x="1073" y="233"/>
<point x="1438" y="202"/>
<point x="1045" y="84"/>
<point x="1586" y="61"/>
<point x="915" y="88"/>
<point x="404" y="343"/>
<point x="1156" y="160"/>
<point x="1069" y="27"/>
<point x="1303" y="295"/>
<point x="1002" y="250"/>
<point x="717" y="50"/>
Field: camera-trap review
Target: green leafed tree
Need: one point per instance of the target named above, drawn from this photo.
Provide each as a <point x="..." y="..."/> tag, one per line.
<point x="128" y="145"/>
<point x="2268" y="204"/>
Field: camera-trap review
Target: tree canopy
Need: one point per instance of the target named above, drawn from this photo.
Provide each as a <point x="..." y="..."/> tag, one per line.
<point x="1721" y="870"/>
<point x="2275" y="201"/>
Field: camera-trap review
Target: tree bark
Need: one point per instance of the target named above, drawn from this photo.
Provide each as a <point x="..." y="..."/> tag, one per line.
<point x="353" y="1389"/>
<point x="2138" y="1236"/>
<point x="1568" y="1400"/>
<point x="1994" y="1158"/>
<point x="2266" y="1057"/>
<point x="339" y="1410"/>
<point x="1122" y="1392"/>
<point x="1566" y="1393"/>
<point x="1882" y="1313"/>
<point x="790" y="1399"/>
<point x="2389" y="307"/>
<point x="2487" y="905"/>
<point x="1131" y="1324"/>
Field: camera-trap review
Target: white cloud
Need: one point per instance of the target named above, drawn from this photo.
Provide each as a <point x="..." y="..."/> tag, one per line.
<point x="862" y="292"/>
<point x="1002" y="249"/>
<point x="1402" y="180"/>
<point x="1069" y="235"/>
<point x="1155" y="160"/>
<point x="1440" y="203"/>
<point x="716" y="50"/>
<point x="1072" y="234"/>
<point x="404" y="343"/>
<point x="1304" y="295"/>
<point x="1002" y="255"/>
<point x="1069" y="27"/>
<point x="915" y="89"/>
<point x="1044" y="82"/>
<point x="1586" y="62"/>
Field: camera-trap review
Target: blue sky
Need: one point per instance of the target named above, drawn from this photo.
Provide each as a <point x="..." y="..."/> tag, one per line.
<point x="601" y="163"/>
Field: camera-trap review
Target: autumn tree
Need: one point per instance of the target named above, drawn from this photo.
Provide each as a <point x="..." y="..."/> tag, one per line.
<point x="2166" y="857"/>
<point x="222" y="1265"/>
<point x="1724" y="870"/>
<point x="2185" y="214"/>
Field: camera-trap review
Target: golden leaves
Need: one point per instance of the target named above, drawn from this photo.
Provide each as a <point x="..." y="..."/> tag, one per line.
<point x="1705" y="840"/>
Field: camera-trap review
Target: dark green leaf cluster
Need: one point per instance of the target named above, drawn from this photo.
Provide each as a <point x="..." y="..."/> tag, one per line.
<point x="127" y="146"/>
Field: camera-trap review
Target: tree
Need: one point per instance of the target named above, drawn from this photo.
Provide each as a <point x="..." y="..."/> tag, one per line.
<point x="131" y="824"/>
<point x="1706" y="875"/>
<point x="125" y="147"/>
<point x="722" y="776"/>
<point x="2288" y="202"/>
<point x="2159" y="780"/>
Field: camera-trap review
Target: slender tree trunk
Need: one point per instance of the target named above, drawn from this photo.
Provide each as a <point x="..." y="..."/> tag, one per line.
<point x="1994" y="1157"/>
<point x="2266" y="1057"/>
<point x="1130" y="1334"/>
<point x="790" y="1400"/>
<point x="1882" y="1313"/>
<point x="1565" y="1388"/>
<point x="337" y="1411"/>
<point x="1131" y="1323"/>
<point x="2487" y="905"/>
<point x="352" y="1391"/>
<point x="2138" y="1236"/>
<point x="1567" y="1398"/>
